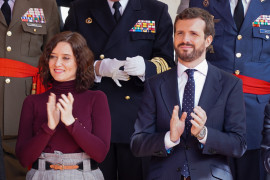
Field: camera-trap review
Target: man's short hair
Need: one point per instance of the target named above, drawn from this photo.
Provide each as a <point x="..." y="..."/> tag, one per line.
<point x="192" y="13"/>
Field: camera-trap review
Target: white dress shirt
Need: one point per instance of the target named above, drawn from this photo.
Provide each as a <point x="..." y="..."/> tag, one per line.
<point x="11" y="4"/>
<point x="233" y="4"/>
<point x="121" y="9"/>
<point x="185" y="4"/>
<point x="182" y="77"/>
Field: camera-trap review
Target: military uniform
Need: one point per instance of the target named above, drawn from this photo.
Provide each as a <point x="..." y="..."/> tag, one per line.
<point x="127" y="38"/>
<point x="22" y="40"/>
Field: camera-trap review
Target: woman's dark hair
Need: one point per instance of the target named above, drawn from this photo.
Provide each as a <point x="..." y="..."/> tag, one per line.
<point x="83" y="55"/>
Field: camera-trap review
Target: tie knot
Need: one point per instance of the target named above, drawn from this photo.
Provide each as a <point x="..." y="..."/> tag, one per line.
<point x="190" y="72"/>
<point x="116" y="5"/>
<point x="5" y="0"/>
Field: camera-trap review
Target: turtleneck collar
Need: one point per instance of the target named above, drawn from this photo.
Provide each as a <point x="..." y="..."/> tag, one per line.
<point x="63" y="87"/>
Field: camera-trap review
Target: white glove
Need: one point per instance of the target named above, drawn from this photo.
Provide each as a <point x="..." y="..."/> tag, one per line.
<point x="135" y="66"/>
<point x="110" y="68"/>
<point x="120" y="75"/>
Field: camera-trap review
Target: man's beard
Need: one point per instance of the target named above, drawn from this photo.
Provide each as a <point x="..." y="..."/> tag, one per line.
<point x="193" y="55"/>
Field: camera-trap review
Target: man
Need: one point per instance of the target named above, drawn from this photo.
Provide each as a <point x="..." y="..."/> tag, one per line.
<point x="188" y="142"/>
<point x="135" y="36"/>
<point x="241" y="47"/>
<point x="25" y="27"/>
<point x="265" y="145"/>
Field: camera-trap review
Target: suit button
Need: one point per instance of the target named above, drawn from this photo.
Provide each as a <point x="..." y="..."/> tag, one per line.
<point x="127" y="97"/>
<point x="238" y="55"/>
<point x="237" y="72"/>
<point x="8" y="48"/>
<point x="178" y="169"/>
<point x="239" y="37"/>
<point x="7" y="80"/>
<point x="267" y="36"/>
<point x="9" y="33"/>
<point x="102" y="56"/>
<point x="186" y="147"/>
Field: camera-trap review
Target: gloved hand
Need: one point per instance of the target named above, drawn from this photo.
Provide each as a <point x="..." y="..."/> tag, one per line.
<point x="110" y="68"/>
<point x="135" y="66"/>
<point x="120" y="75"/>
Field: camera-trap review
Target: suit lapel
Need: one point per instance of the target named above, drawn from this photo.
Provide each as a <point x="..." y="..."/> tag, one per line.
<point x="170" y="93"/>
<point x="211" y="90"/>
<point x="101" y="12"/>
<point x="19" y="9"/>
<point x="127" y="21"/>
<point x="254" y="11"/>
<point x="223" y="8"/>
<point x="169" y="90"/>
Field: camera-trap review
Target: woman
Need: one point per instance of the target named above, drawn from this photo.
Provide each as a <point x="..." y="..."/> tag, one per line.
<point x="65" y="131"/>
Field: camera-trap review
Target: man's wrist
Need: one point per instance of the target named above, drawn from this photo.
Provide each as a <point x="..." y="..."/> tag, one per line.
<point x="201" y="134"/>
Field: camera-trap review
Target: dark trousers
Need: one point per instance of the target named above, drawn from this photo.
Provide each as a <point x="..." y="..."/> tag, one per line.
<point x="2" y="169"/>
<point x="120" y="164"/>
<point x="248" y="167"/>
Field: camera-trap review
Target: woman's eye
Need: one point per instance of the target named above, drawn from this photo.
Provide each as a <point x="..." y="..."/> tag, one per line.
<point x="66" y="58"/>
<point x="52" y="56"/>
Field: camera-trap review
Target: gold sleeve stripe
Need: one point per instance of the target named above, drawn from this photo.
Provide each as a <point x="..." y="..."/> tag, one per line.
<point x="161" y="64"/>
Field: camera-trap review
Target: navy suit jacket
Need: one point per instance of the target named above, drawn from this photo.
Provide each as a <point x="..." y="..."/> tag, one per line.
<point x="254" y="62"/>
<point x="222" y="100"/>
<point x="113" y="40"/>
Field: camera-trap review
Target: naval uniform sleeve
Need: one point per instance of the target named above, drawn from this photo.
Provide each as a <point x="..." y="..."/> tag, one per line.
<point x="163" y="45"/>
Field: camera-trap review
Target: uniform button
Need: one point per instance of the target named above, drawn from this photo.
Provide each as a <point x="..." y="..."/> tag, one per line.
<point x="7" y="80"/>
<point x="8" y="48"/>
<point x="237" y="72"/>
<point x="35" y="30"/>
<point x="267" y="36"/>
<point x="127" y="97"/>
<point x="102" y="56"/>
<point x="9" y="33"/>
<point x="239" y="37"/>
<point x="238" y="55"/>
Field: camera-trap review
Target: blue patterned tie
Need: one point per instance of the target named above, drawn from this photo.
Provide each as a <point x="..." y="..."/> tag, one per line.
<point x="188" y="106"/>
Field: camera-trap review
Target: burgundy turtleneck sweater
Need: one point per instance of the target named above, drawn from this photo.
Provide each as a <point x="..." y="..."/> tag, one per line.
<point x="90" y="133"/>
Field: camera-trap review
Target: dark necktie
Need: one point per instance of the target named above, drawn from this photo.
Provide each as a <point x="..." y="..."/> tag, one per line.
<point x="238" y="15"/>
<point x="116" y="6"/>
<point x="188" y="106"/>
<point x="6" y="11"/>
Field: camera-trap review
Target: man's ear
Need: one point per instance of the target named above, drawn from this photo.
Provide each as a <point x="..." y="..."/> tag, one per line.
<point x="208" y="40"/>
